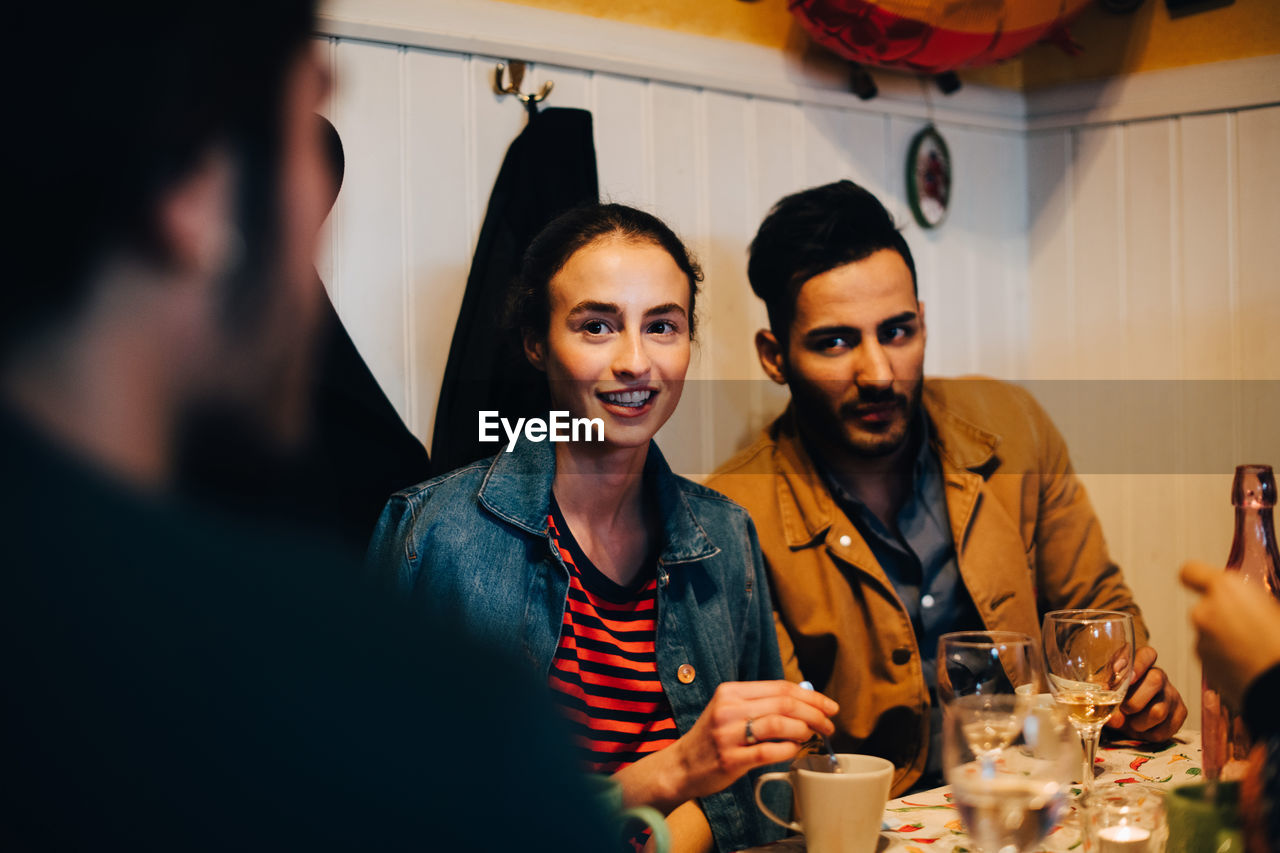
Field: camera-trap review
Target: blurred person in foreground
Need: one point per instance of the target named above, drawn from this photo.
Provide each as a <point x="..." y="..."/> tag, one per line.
<point x="893" y="508"/>
<point x="1238" y="641"/>
<point x="171" y="681"/>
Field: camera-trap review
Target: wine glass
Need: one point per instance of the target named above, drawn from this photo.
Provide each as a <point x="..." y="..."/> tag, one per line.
<point x="1010" y="797"/>
<point x="987" y="679"/>
<point x="1089" y="658"/>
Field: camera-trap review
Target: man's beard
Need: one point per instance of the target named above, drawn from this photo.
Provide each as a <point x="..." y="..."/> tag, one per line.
<point x="839" y="432"/>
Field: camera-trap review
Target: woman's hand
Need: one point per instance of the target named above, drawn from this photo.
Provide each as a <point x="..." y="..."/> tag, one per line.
<point x="747" y="724"/>
<point x="717" y="751"/>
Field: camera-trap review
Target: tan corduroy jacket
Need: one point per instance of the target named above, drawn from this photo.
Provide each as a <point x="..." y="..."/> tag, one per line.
<point x="1027" y="541"/>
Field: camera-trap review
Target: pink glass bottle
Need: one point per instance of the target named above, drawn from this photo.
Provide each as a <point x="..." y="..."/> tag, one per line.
<point x="1254" y="556"/>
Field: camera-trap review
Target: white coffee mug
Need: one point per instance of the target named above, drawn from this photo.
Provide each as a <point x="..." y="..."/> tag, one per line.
<point x="840" y="812"/>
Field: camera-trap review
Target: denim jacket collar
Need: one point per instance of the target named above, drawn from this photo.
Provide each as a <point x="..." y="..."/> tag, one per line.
<point x="517" y="489"/>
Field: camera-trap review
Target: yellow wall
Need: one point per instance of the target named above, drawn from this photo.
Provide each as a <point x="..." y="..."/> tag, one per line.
<point x="1147" y="40"/>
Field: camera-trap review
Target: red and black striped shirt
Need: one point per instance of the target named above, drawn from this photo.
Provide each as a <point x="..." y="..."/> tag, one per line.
<point x="605" y="673"/>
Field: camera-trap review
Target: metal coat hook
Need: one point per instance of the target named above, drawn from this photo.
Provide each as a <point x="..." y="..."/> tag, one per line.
<point x="516" y="68"/>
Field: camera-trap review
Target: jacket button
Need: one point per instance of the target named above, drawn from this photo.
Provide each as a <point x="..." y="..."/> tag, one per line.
<point x="685" y="673"/>
<point x="901" y="656"/>
<point x="846" y="541"/>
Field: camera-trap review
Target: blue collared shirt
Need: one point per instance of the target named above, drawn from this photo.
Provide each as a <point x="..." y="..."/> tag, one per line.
<point x="920" y="561"/>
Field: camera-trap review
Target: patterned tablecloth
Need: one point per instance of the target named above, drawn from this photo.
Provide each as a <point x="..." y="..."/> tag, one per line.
<point x="927" y="822"/>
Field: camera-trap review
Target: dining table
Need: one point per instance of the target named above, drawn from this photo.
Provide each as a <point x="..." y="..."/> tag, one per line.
<point x="927" y="821"/>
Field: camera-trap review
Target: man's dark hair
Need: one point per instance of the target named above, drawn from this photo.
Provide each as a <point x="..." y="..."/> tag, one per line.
<point x="814" y="231"/>
<point x="529" y="304"/>
<point x="114" y="103"/>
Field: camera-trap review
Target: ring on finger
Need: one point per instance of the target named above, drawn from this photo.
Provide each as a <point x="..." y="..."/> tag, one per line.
<point x="750" y="735"/>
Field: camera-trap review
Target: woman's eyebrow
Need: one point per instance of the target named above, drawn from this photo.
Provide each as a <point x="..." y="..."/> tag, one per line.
<point x="588" y="307"/>
<point x="668" y="308"/>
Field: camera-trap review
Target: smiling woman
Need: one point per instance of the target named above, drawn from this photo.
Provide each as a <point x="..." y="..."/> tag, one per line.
<point x="639" y="595"/>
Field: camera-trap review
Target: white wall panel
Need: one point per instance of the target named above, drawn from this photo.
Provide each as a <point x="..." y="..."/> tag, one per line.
<point x="1152" y="261"/>
<point x="368" y="220"/>
<point x="828" y="144"/>
<point x="677" y="200"/>
<point x="1049" y="233"/>
<point x="1208" y="286"/>
<point x="624" y="153"/>
<point x="730" y="313"/>
<point x="1152" y="323"/>
<point x="1258" y="285"/>
<point x="1098" y="225"/>
<point x="442" y="211"/>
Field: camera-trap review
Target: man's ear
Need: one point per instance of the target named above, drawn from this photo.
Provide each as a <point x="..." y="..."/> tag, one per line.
<point x="772" y="358"/>
<point x="535" y="350"/>
<point x="194" y="219"/>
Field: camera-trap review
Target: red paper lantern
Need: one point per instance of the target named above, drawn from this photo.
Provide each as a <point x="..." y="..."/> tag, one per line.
<point x="933" y="36"/>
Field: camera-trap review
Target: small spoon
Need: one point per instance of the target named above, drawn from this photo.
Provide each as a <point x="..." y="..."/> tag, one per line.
<point x="826" y="742"/>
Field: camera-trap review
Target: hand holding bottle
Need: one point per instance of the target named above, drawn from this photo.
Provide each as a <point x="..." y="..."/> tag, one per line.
<point x="1237" y="630"/>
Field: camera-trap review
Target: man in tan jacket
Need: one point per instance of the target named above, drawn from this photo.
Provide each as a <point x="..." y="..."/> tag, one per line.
<point x="892" y="508"/>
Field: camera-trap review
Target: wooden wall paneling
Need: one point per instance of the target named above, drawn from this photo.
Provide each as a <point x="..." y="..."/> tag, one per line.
<point x="776" y="140"/>
<point x="828" y="145"/>
<point x="931" y="252"/>
<point x="970" y="295"/>
<point x="442" y="211"/>
<point x="869" y="135"/>
<point x="1258" y="329"/>
<point x="1010" y="152"/>
<point x="1152" y="332"/>
<point x="677" y="202"/>
<point x="369" y="218"/>
<point x="1208" y="289"/>
<point x="1050" y="255"/>
<point x="730" y="316"/>
<point x="1098" y="226"/>
<point x="572" y="87"/>
<point x="675" y="162"/>
<point x="624" y="153"/>
<point x="496" y="121"/>
<point x="779" y="156"/>
<point x="1258" y="138"/>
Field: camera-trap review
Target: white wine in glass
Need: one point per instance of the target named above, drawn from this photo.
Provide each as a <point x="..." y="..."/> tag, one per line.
<point x="1089" y="660"/>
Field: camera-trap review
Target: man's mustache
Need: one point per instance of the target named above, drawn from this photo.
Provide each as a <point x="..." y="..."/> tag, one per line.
<point x="872" y="397"/>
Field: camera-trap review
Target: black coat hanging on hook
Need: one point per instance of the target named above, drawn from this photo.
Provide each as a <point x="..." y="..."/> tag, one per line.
<point x="549" y="168"/>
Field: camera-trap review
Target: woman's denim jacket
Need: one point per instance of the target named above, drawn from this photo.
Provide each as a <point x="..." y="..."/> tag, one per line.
<point x="475" y="542"/>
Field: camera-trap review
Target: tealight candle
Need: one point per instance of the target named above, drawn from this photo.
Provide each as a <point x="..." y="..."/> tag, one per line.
<point x="1124" y="838"/>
